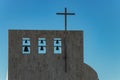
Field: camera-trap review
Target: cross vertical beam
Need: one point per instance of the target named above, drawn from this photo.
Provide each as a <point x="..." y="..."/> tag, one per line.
<point x="65" y="16"/>
<point x="65" y="19"/>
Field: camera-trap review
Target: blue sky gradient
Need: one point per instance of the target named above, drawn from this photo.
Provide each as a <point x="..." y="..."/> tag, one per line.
<point x="99" y="19"/>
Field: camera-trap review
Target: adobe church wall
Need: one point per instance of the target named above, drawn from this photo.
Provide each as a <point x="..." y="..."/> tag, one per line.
<point x="49" y="66"/>
<point x="89" y="73"/>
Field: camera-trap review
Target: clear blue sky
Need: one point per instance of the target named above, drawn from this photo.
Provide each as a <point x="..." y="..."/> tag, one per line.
<point x="100" y="20"/>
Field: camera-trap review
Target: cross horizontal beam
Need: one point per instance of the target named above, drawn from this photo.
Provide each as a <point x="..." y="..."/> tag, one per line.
<point x="65" y="13"/>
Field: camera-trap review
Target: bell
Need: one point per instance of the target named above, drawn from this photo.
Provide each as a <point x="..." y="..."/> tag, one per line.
<point x="41" y="48"/>
<point x="42" y="41"/>
<point x="57" y="48"/>
<point x="57" y="42"/>
<point x="26" y="49"/>
<point x="25" y="41"/>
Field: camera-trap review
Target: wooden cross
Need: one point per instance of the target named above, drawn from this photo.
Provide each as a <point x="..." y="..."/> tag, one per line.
<point x="65" y="14"/>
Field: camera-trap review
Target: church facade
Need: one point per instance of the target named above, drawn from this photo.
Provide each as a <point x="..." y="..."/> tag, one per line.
<point x="47" y="55"/>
